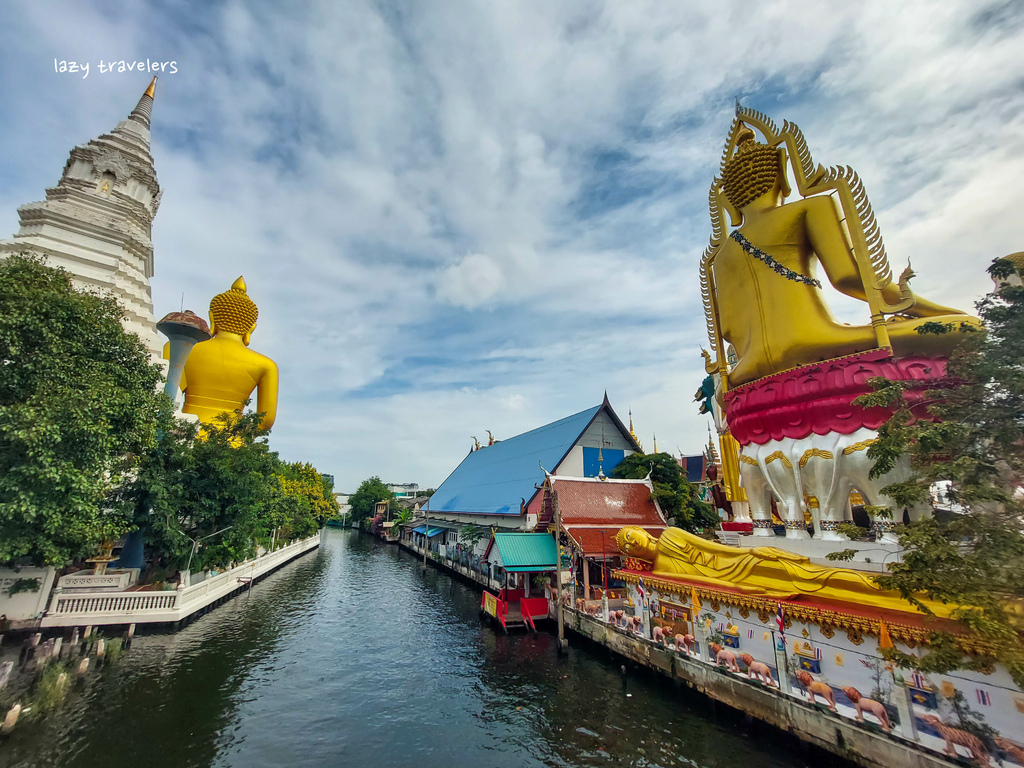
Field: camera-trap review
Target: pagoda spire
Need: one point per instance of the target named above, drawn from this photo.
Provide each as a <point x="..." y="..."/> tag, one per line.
<point x="655" y="443"/>
<point x="144" y="108"/>
<point x="712" y="454"/>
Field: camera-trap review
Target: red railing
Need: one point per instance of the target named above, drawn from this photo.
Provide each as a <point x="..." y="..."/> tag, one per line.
<point x="533" y="607"/>
<point x="500" y="607"/>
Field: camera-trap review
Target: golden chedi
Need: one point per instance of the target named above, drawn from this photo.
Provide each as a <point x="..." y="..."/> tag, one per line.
<point x="221" y="374"/>
<point x="761" y="282"/>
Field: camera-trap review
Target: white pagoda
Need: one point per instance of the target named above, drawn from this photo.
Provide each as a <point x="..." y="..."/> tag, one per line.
<point x="97" y="222"/>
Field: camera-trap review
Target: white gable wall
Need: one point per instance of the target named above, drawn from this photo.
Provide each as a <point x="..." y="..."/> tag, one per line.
<point x="603" y="427"/>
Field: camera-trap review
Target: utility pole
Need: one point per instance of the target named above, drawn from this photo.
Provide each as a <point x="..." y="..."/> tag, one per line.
<point x="558" y="571"/>
<point x="426" y="534"/>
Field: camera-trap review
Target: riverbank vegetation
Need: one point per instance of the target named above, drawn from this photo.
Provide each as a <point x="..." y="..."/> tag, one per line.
<point x="974" y="557"/>
<point x="676" y="495"/>
<point x="90" y="450"/>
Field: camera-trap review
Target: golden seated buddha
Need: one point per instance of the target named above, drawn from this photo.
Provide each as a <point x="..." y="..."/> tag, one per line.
<point x="221" y="373"/>
<point x="768" y="301"/>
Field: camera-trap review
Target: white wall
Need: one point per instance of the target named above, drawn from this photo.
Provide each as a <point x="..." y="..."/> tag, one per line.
<point x="25" y="605"/>
<point x="602" y="429"/>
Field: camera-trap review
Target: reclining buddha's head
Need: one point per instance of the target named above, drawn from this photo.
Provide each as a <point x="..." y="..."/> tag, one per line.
<point x="636" y="542"/>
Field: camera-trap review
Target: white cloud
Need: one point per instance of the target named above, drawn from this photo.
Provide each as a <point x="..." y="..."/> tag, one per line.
<point x="471" y="282"/>
<point x="441" y="208"/>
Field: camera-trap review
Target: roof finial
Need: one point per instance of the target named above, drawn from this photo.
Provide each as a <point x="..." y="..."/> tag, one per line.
<point x="655" y="443"/>
<point x="144" y="108"/>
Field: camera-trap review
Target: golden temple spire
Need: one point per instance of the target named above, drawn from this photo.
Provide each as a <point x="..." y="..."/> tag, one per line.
<point x="144" y="108"/>
<point x="712" y="455"/>
<point x="655" y="443"/>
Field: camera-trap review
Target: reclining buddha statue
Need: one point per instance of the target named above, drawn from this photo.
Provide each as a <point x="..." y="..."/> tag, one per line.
<point x="762" y="282"/>
<point x="764" y="571"/>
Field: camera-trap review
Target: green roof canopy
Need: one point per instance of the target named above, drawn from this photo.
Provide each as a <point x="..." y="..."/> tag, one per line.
<point x="526" y="551"/>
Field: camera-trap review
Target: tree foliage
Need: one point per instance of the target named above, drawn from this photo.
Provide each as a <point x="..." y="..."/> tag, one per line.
<point x="364" y="500"/>
<point x="310" y="500"/>
<point x="975" y="559"/>
<point x="676" y="495"/>
<point x="192" y="485"/>
<point x="78" y="405"/>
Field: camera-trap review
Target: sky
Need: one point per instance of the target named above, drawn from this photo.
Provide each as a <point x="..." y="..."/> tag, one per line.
<point x="465" y="216"/>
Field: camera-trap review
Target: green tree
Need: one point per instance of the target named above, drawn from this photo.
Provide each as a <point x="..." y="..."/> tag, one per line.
<point x="974" y="559"/>
<point x="309" y="498"/>
<point x="78" y="403"/>
<point x="192" y="486"/>
<point x="676" y="495"/>
<point x="364" y="500"/>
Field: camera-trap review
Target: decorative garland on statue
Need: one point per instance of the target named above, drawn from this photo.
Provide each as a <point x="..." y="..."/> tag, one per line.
<point x="770" y="261"/>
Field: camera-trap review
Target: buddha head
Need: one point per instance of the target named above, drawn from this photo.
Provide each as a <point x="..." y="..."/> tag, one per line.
<point x="752" y="171"/>
<point x="636" y="542"/>
<point x="234" y="312"/>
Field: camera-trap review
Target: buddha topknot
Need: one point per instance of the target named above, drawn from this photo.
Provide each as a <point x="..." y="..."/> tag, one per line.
<point x="751" y="171"/>
<point x="233" y="311"/>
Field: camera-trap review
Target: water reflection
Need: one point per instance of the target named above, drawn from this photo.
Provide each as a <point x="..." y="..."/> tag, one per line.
<point x="354" y="654"/>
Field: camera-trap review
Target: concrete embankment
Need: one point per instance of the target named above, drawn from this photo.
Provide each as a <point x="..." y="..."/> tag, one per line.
<point x="840" y="736"/>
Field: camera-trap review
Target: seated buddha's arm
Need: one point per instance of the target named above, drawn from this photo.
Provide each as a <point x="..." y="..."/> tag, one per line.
<point x="266" y="396"/>
<point x="826" y="237"/>
<point x="827" y="240"/>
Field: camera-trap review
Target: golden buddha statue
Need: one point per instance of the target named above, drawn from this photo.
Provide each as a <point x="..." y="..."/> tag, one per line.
<point x="763" y="571"/>
<point x="221" y="373"/>
<point x="760" y="282"/>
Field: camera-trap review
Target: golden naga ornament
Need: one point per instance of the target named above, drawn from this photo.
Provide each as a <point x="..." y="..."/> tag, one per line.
<point x="221" y="373"/>
<point x="760" y="283"/>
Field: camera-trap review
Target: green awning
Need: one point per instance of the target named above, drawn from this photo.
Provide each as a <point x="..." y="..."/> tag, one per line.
<point x="526" y="551"/>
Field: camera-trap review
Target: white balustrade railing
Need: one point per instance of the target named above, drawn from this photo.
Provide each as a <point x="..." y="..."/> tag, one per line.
<point x="82" y="608"/>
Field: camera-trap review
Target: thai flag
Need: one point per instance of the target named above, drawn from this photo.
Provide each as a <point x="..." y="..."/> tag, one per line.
<point x="984" y="698"/>
<point x="780" y="620"/>
<point x="918" y="681"/>
<point x="642" y="592"/>
<point x="817" y="653"/>
<point x="750" y="634"/>
<point x="721" y="626"/>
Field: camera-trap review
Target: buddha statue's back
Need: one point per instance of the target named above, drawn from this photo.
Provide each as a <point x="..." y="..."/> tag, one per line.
<point x="221" y="374"/>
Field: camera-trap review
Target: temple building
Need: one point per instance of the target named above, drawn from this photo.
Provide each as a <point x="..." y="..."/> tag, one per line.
<point x="499" y="485"/>
<point x="97" y="221"/>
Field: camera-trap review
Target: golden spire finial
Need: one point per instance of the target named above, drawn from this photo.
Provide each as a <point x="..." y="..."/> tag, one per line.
<point x="655" y="443"/>
<point x="152" y="88"/>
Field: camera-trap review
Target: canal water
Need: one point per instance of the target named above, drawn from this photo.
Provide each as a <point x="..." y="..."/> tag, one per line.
<point x="352" y="655"/>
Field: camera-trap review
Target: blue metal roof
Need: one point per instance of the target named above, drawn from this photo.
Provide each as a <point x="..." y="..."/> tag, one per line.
<point x="493" y="480"/>
<point x="433" y="531"/>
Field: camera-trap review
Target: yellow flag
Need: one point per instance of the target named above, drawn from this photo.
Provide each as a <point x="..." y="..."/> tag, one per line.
<point x="695" y="601"/>
<point x="884" y="641"/>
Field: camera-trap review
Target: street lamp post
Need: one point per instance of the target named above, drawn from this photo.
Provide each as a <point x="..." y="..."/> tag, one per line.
<point x="195" y="548"/>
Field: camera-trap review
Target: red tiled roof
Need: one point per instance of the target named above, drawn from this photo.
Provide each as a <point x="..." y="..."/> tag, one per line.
<point x="593" y="511"/>
<point x="590" y="541"/>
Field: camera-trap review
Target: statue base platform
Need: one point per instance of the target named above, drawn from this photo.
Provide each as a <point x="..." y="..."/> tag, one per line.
<point x="818" y="398"/>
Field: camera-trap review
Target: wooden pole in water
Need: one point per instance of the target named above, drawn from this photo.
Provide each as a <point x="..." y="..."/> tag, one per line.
<point x="558" y="570"/>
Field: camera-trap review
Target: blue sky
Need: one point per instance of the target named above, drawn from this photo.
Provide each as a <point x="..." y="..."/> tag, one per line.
<point x="461" y="216"/>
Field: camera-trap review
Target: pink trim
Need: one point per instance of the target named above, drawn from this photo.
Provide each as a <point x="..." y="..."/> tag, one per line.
<point x="819" y="398"/>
